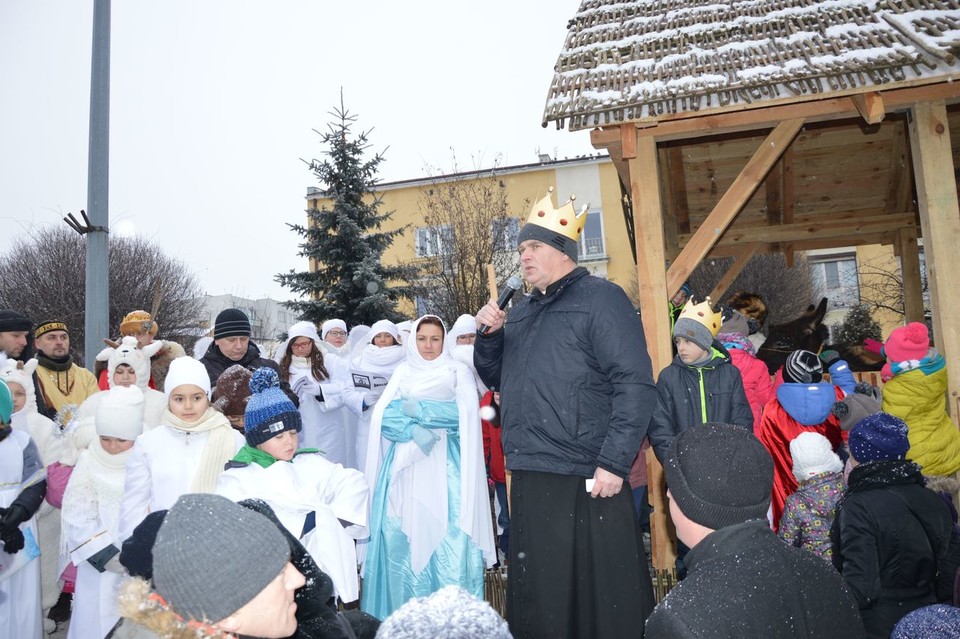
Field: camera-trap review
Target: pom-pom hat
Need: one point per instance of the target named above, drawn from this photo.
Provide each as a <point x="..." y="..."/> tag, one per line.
<point x="907" y="343"/>
<point x="269" y="411"/>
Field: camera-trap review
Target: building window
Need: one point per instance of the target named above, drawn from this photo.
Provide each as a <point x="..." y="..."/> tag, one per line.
<point x="837" y="280"/>
<point x="433" y="241"/>
<point x="504" y="233"/>
<point x="591" y="240"/>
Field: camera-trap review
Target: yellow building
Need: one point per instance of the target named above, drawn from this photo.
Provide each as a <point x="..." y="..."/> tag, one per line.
<point x="604" y="248"/>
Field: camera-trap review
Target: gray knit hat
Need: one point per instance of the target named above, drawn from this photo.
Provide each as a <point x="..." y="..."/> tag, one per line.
<point x="451" y="613"/>
<point x="693" y="331"/>
<point x="213" y="556"/>
<point x="719" y="475"/>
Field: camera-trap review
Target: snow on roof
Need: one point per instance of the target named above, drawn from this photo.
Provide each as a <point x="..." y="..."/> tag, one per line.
<point x="635" y="61"/>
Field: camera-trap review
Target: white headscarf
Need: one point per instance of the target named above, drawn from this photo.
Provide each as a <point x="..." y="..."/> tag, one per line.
<point x="463" y="353"/>
<point x="300" y="329"/>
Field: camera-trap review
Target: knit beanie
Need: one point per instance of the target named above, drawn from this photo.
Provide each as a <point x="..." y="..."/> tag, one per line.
<point x="269" y="411"/>
<point x="11" y="320"/>
<point x="120" y="413"/>
<point x="232" y="391"/>
<point x="698" y="323"/>
<point x="719" y="475"/>
<point x="907" y="342"/>
<point x="136" y="321"/>
<point x="812" y="455"/>
<point x="231" y="322"/>
<point x="213" y="556"/>
<point x="6" y="403"/>
<point x="331" y="324"/>
<point x="854" y="407"/>
<point x="383" y="326"/>
<point x="803" y="367"/>
<point x="47" y="326"/>
<point x="451" y="613"/>
<point x="736" y="323"/>
<point x="136" y="554"/>
<point x="938" y="621"/>
<point x="879" y="437"/>
<point x="564" y="244"/>
<point x="186" y="370"/>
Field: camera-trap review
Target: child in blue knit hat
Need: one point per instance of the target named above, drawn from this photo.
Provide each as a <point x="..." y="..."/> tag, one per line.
<point x="321" y="503"/>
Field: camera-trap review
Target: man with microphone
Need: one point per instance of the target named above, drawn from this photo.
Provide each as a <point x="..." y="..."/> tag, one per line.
<point x="577" y="392"/>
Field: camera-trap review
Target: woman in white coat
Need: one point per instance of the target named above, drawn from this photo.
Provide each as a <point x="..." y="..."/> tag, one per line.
<point x="91" y="512"/>
<point x="322" y="384"/>
<point x="430" y="520"/>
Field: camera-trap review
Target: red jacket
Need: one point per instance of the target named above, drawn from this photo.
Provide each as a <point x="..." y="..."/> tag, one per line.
<point x="492" y="445"/>
<point x="756" y="382"/>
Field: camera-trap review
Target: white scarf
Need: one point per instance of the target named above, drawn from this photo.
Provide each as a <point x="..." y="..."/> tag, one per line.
<point x="219" y="449"/>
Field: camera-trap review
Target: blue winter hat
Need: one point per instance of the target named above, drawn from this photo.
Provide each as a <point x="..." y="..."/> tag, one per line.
<point x="938" y="621"/>
<point x="269" y="411"/>
<point x="880" y="436"/>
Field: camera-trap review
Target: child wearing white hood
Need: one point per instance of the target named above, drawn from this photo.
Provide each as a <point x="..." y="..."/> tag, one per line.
<point x="371" y="370"/>
<point x="91" y="511"/>
<point x="128" y="365"/>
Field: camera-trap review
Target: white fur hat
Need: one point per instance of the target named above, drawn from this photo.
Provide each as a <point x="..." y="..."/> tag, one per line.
<point x="812" y="455"/>
<point x="128" y="352"/>
<point x="13" y="371"/>
<point x="331" y="324"/>
<point x="120" y="413"/>
<point x="186" y="370"/>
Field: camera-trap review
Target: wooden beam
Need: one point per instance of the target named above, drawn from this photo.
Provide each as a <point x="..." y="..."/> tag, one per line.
<point x="900" y="181"/>
<point x="628" y="141"/>
<point x="689" y="124"/>
<point x="870" y="106"/>
<point x="835" y="227"/>
<point x="654" y="313"/>
<point x="744" y="256"/>
<point x="888" y="237"/>
<point x="910" y="274"/>
<point x="773" y="187"/>
<point x="940" y="221"/>
<point x="788" y="200"/>
<point x="731" y="202"/>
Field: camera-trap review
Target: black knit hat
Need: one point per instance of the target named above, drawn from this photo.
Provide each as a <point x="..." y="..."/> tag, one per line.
<point x="719" y="475"/>
<point x="136" y="555"/>
<point x="11" y="320"/>
<point x="803" y="367"/>
<point x="231" y="323"/>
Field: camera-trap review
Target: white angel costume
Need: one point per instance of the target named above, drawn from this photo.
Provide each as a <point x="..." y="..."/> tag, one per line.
<point x="430" y="522"/>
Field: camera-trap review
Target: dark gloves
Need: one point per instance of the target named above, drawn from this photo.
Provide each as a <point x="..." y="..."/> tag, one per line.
<point x="829" y="358"/>
<point x="12" y="539"/>
<point x="99" y="560"/>
<point x="10" y="533"/>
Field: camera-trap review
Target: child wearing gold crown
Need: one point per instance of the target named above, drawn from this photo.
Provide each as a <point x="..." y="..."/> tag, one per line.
<point x="701" y="384"/>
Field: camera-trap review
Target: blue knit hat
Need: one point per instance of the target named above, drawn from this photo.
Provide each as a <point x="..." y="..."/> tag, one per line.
<point x="938" y="621"/>
<point x="269" y="411"/>
<point x="880" y="436"/>
<point x="6" y="403"/>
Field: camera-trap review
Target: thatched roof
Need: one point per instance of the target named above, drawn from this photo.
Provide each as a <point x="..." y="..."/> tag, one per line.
<point x="650" y="59"/>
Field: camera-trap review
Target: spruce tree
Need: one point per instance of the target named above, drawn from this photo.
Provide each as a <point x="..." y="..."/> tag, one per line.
<point x="343" y="239"/>
<point x="857" y="326"/>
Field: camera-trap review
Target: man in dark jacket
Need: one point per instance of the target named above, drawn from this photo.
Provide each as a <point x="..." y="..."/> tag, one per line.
<point x="577" y="391"/>
<point x="742" y="581"/>
<point x="891" y="532"/>
<point x="232" y="345"/>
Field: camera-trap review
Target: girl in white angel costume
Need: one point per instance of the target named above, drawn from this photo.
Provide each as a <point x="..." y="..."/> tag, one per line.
<point x="91" y="512"/>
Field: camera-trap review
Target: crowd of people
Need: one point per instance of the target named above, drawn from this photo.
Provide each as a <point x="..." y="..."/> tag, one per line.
<point x="354" y="483"/>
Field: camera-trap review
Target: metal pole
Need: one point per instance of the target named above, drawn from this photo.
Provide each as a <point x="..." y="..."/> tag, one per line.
<point x="96" y="324"/>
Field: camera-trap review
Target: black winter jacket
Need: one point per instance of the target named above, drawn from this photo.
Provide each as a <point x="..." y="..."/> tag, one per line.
<point x="888" y="529"/>
<point x="683" y="391"/>
<point x="742" y="581"/>
<point x="216" y="362"/>
<point x="575" y="379"/>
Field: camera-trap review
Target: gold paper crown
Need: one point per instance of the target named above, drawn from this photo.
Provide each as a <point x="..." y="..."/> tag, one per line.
<point x="703" y="314"/>
<point x="564" y="220"/>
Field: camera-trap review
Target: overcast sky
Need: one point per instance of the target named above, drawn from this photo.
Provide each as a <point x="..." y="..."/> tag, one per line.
<point x="213" y="105"/>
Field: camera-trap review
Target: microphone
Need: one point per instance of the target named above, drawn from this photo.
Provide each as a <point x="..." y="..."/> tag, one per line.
<point x="512" y="286"/>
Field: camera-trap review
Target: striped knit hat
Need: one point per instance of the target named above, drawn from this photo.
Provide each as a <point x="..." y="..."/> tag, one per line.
<point x="231" y="323"/>
<point x="803" y="367"/>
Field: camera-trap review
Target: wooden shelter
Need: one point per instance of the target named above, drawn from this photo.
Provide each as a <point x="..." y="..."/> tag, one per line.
<point x="773" y="125"/>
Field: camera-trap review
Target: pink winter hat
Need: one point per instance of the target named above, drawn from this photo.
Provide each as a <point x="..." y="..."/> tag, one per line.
<point x="907" y="342"/>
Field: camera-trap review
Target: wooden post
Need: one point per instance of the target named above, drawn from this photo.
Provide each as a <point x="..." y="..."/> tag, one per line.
<point x="940" y="223"/>
<point x="910" y="274"/>
<point x="654" y="312"/>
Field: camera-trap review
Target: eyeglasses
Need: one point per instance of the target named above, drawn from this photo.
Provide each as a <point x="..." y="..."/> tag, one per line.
<point x="337" y="333"/>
